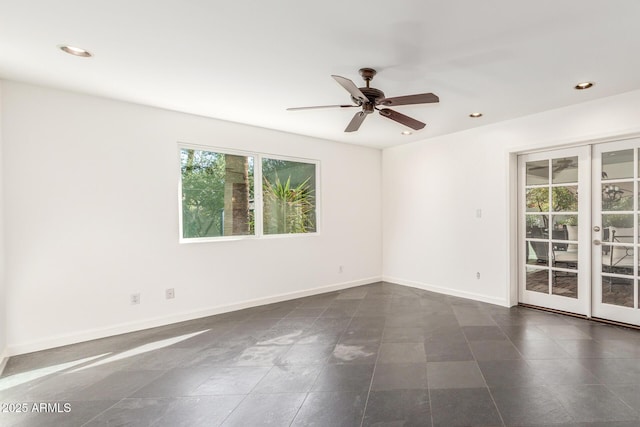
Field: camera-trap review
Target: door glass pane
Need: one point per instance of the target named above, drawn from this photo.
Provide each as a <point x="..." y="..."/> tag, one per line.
<point x="538" y="199"/>
<point x="537" y="252"/>
<point x="537" y="280"/>
<point x="617" y="221"/>
<point x="565" y="199"/>
<point x="565" y="170"/>
<point x="617" y="164"/>
<point x="565" y="256"/>
<point x="617" y="291"/>
<point x="537" y="226"/>
<point x="538" y="172"/>
<point x="617" y="259"/>
<point x="565" y="284"/>
<point x="621" y="234"/>
<point x="565" y="227"/>
<point x="617" y="196"/>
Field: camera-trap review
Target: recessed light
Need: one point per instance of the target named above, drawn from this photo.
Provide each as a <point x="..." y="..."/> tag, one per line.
<point x="475" y="115"/>
<point x="76" y="51"/>
<point x="406" y="132"/>
<point x="583" y="85"/>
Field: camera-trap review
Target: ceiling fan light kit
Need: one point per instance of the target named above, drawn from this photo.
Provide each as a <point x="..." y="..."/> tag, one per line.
<point x="369" y="99"/>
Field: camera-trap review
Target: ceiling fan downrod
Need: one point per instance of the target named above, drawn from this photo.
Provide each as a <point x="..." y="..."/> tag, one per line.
<point x="367" y="74"/>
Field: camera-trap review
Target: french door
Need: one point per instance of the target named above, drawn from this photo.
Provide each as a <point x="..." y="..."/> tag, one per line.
<point x="579" y="227"/>
<point x="615" y="231"/>
<point x="555" y="216"/>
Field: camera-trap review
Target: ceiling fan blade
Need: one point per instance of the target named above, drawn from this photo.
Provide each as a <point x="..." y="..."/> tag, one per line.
<point x="351" y="88"/>
<point x="422" y="98"/>
<point x="355" y="123"/>
<point x="320" y="106"/>
<point x="402" y="119"/>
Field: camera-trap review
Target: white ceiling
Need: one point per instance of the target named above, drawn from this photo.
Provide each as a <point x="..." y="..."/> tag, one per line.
<point x="247" y="61"/>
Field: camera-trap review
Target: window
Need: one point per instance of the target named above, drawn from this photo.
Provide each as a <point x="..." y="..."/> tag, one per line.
<point x="288" y="193"/>
<point x="217" y="194"/>
<point x="224" y="196"/>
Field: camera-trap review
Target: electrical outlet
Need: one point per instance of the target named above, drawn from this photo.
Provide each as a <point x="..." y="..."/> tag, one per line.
<point x="340" y="269"/>
<point x="135" y="299"/>
<point x="170" y="293"/>
<point x="478" y="275"/>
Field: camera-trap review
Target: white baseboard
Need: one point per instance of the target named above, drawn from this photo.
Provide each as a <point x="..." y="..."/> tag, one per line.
<point x="447" y="291"/>
<point x="123" y="328"/>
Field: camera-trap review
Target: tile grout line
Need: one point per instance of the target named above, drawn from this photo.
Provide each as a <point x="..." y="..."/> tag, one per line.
<point x="364" y="409"/>
<point x="428" y="388"/>
<point x="102" y="412"/>
<point x="373" y="374"/>
<point x="427" y="374"/>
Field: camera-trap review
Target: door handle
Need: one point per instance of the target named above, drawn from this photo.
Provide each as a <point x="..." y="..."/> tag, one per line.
<point x="597" y="242"/>
<point x="596" y="228"/>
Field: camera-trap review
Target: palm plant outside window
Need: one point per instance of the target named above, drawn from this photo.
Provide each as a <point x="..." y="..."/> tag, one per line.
<point x="288" y="192"/>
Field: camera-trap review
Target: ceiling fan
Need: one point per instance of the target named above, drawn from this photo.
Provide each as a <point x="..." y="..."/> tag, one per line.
<point x="370" y="99"/>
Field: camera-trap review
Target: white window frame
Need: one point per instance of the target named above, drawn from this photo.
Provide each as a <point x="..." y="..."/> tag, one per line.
<point x="257" y="190"/>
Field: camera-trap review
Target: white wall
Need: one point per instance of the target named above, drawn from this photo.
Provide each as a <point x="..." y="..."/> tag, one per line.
<point x="91" y="214"/>
<point x="3" y="301"/>
<point x="432" y="189"/>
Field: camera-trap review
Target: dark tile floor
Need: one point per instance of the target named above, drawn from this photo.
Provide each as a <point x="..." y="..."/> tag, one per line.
<point x="381" y="354"/>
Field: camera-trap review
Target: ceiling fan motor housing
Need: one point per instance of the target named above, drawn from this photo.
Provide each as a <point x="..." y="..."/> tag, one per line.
<point x="373" y="95"/>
